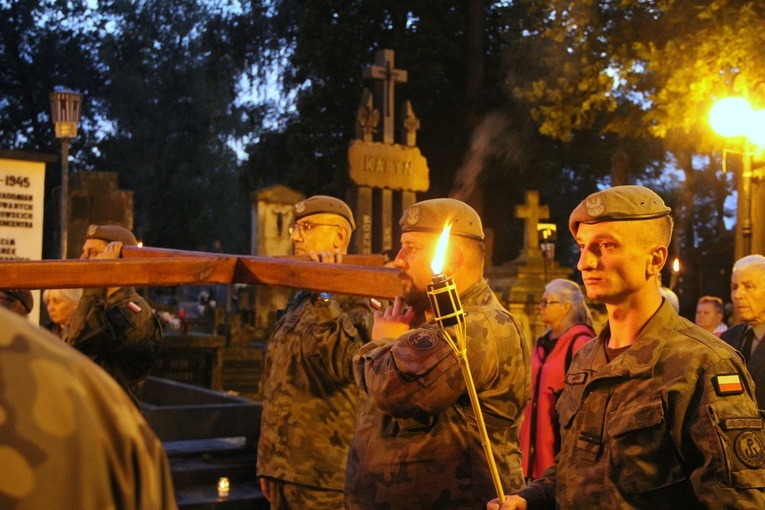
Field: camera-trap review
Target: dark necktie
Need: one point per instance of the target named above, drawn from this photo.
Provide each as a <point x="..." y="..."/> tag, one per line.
<point x="746" y="344"/>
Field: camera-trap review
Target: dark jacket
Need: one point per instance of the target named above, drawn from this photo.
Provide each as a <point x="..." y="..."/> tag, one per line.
<point x="755" y="365"/>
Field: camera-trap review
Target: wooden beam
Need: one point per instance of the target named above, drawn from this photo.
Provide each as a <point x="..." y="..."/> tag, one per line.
<point x="198" y="268"/>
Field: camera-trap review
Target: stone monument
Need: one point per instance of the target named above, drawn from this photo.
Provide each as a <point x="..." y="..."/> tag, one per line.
<point x="386" y="175"/>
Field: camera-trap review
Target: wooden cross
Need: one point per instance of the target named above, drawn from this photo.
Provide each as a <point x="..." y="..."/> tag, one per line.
<point x="387" y="77"/>
<point x="531" y="213"/>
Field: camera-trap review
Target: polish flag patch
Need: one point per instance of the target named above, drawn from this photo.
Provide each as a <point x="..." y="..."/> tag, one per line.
<point x="134" y="307"/>
<point x="728" y="384"/>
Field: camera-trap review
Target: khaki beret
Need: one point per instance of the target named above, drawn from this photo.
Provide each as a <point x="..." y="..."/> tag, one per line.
<point x="112" y="233"/>
<point x="432" y="215"/>
<point x="323" y="204"/>
<point x="22" y="296"/>
<point x="620" y="203"/>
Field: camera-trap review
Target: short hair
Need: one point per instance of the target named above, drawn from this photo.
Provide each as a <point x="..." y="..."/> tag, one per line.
<point x="569" y="292"/>
<point x="755" y="260"/>
<point x="714" y="300"/>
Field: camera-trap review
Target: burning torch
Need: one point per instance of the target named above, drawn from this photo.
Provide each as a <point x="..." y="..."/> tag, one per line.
<point x="445" y="302"/>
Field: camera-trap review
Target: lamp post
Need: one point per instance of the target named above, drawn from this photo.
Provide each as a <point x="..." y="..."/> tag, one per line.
<point x="65" y="108"/>
<point x="733" y="117"/>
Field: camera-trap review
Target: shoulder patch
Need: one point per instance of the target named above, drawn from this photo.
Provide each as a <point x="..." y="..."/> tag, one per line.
<point x="134" y="307"/>
<point x="727" y="384"/>
<point x="423" y="339"/>
<point x="576" y="378"/>
<point x="750" y="450"/>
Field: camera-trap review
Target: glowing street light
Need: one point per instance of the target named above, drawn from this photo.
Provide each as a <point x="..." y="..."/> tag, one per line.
<point x="733" y="117"/>
<point x="65" y="106"/>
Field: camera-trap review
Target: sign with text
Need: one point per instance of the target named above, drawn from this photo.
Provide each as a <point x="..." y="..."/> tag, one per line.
<point x="386" y="165"/>
<point x="22" y="200"/>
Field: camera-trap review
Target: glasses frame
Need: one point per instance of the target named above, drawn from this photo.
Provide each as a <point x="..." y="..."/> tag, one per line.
<point x="545" y="303"/>
<point x="307" y="226"/>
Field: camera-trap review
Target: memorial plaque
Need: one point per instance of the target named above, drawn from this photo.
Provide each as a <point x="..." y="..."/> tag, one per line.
<point x="383" y="165"/>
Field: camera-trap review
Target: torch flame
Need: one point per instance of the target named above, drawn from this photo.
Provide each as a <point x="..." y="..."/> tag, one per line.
<point x="443" y="242"/>
<point x="676" y="265"/>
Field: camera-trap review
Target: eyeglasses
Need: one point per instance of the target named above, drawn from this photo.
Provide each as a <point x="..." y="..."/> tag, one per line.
<point x="543" y="303"/>
<point x="307" y="226"/>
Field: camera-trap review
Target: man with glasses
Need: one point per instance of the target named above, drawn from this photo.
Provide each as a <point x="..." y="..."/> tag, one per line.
<point x="310" y="401"/>
<point x="20" y="302"/>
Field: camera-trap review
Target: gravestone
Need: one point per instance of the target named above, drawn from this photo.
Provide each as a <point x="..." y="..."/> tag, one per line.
<point x="95" y="198"/>
<point x="520" y="283"/>
<point x="386" y="175"/>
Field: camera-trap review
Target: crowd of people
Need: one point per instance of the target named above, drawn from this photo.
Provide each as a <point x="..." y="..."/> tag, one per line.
<point x="368" y="408"/>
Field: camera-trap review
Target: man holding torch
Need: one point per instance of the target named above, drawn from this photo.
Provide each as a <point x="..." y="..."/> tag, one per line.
<point x="655" y="412"/>
<point x="418" y="442"/>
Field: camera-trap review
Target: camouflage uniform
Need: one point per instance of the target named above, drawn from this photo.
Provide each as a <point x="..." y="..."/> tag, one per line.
<point x="69" y="437"/>
<point x="310" y="401"/>
<point x="417" y="444"/>
<point x="119" y="333"/>
<point x="657" y="427"/>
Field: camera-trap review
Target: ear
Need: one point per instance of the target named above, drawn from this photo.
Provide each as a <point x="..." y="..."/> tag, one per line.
<point x="658" y="257"/>
<point x="455" y="257"/>
<point x="340" y="240"/>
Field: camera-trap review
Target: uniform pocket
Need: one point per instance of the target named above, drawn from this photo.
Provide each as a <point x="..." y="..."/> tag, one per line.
<point x="641" y="450"/>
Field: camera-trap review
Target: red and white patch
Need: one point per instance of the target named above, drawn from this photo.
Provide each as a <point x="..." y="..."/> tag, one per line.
<point x="728" y="384"/>
<point x="134" y="307"/>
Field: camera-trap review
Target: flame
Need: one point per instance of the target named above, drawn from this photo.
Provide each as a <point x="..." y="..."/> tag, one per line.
<point x="676" y="265"/>
<point x="140" y="244"/>
<point x="443" y="242"/>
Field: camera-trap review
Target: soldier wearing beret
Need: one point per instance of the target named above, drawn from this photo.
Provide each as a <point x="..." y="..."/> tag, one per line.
<point x="20" y="302"/>
<point x="70" y="436"/>
<point x="656" y="412"/>
<point x="417" y="445"/>
<point x="310" y="401"/>
<point x="115" y="327"/>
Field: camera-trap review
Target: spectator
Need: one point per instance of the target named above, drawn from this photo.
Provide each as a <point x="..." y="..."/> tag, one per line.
<point x="569" y="324"/>
<point x="709" y="314"/>
<point x="61" y="305"/>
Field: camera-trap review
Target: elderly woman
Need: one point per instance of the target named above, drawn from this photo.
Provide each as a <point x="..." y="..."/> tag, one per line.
<point x="61" y="305"/>
<point x="569" y="324"/>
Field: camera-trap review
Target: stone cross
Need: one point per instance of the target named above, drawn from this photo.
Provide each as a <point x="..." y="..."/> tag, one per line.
<point x="531" y="213"/>
<point x="387" y="77"/>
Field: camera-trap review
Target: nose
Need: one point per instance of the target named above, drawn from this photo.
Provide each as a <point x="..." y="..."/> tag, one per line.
<point x="586" y="260"/>
<point x="399" y="260"/>
<point x="295" y="234"/>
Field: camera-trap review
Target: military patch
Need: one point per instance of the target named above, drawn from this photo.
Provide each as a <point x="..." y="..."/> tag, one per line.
<point x="413" y="215"/>
<point x="742" y="423"/>
<point x="577" y="378"/>
<point x="134" y="307"/>
<point x="299" y="207"/>
<point x="595" y="206"/>
<point x="749" y="449"/>
<point x="423" y="339"/>
<point x="92" y="230"/>
<point x="727" y="384"/>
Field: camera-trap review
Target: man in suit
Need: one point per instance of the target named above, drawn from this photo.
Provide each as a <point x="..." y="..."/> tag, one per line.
<point x="747" y="291"/>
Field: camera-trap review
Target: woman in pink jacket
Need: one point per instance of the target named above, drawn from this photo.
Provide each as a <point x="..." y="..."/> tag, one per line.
<point x="569" y="323"/>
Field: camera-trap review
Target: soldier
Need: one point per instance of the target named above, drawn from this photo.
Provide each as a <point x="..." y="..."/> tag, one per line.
<point x="747" y="291"/>
<point x="416" y="444"/>
<point x="19" y="302"/>
<point x="115" y="327"/>
<point x="310" y="401"/>
<point x="70" y="437"/>
<point x="655" y="412"/>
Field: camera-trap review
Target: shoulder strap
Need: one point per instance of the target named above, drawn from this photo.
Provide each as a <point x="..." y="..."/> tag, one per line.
<point x="570" y="350"/>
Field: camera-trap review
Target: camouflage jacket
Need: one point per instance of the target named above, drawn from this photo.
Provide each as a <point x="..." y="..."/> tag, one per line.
<point x="70" y="438"/>
<point x="119" y="333"/>
<point x="310" y="401"/>
<point x="669" y="423"/>
<point x="417" y="444"/>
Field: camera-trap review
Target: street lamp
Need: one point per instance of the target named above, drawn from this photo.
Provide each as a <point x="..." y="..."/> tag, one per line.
<point x="65" y="108"/>
<point x="734" y="117"/>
